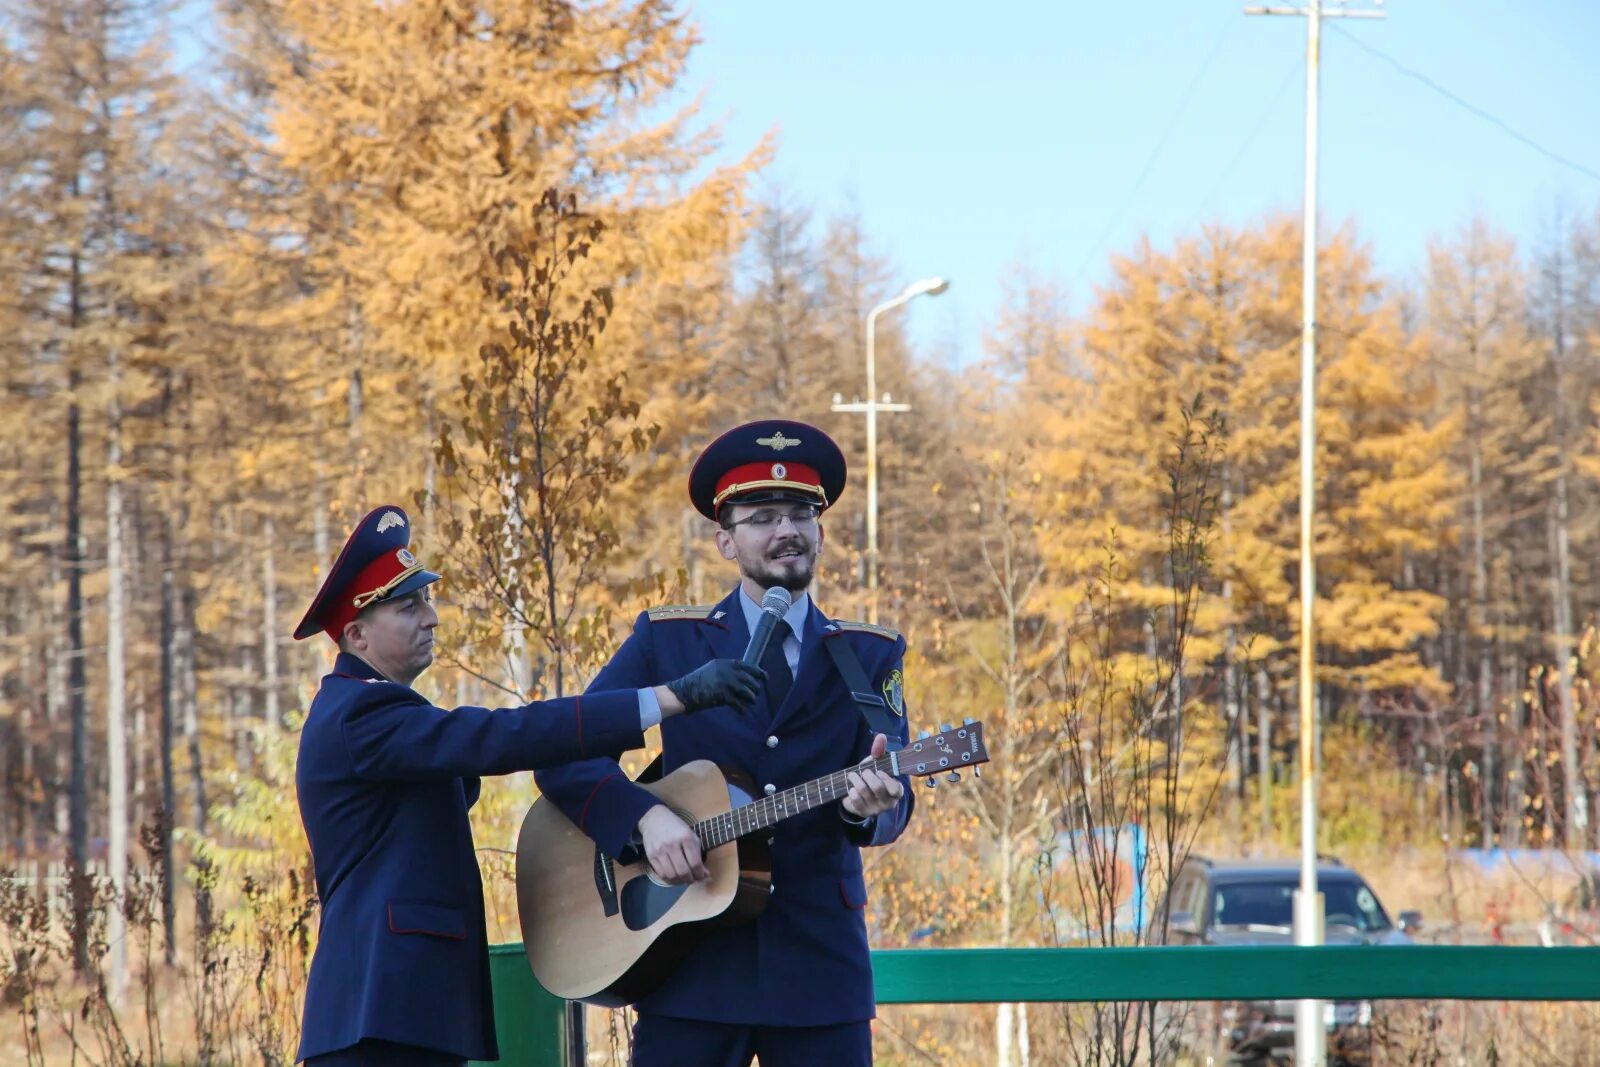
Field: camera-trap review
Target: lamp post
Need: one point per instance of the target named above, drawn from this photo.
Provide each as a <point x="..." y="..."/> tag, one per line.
<point x="871" y="407"/>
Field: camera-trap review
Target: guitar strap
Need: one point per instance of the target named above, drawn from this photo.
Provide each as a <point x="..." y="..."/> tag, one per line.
<point x="873" y="707"/>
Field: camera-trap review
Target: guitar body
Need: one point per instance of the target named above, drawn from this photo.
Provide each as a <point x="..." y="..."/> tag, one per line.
<point x="601" y="929"/>
<point x="604" y="931"/>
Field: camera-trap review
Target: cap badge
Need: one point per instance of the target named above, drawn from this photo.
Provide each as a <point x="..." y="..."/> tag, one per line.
<point x="390" y="518"/>
<point x="779" y="471"/>
<point x="405" y="557"/>
<point x="777" y="442"/>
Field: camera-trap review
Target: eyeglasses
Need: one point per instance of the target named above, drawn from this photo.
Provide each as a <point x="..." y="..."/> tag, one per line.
<point x="767" y="520"/>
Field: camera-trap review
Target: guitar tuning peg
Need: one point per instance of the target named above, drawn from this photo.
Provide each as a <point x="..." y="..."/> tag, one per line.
<point x="923" y="736"/>
<point x="933" y="781"/>
<point x="968" y="721"/>
<point x="944" y="728"/>
<point x="977" y="772"/>
<point x="953" y="776"/>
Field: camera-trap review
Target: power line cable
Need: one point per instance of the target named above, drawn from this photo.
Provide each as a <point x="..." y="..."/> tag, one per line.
<point x="1273" y="100"/>
<point x="1160" y="146"/>
<point x="1453" y="98"/>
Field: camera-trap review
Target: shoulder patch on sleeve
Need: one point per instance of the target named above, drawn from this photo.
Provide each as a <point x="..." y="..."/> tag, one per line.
<point x="850" y="626"/>
<point x="672" y="612"/>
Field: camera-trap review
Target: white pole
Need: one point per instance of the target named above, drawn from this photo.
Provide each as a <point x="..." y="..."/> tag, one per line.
<point x="872" y="464"/>
<point x="873" y="405"/>
<point x="1310" y="1039"/>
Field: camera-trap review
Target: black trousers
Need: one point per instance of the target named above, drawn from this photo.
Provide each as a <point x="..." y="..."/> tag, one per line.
<point x="662" y="1041"/>
<point x="371" y="1052"/>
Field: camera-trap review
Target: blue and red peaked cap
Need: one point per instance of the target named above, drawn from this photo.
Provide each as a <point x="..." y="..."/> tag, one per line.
<point x="774" y="459"/>
<point x="375" y="565"/>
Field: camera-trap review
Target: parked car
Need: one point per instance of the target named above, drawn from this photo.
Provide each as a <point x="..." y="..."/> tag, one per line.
<point x="1251" y="902"/>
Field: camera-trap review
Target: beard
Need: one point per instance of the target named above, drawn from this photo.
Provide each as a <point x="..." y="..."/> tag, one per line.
<point x="793" y="573"/>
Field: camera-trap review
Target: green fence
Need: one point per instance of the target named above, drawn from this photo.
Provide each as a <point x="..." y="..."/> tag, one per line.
<point x="530" y="1019"/>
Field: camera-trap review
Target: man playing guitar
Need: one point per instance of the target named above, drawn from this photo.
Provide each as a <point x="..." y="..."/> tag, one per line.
<point x="793" y="987"/>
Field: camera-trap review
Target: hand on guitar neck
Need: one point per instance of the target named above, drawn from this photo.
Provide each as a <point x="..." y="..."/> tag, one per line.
<point x="872" y="792"/>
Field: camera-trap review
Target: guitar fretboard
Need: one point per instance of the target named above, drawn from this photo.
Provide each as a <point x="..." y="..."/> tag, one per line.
<point x="769" y="810"/>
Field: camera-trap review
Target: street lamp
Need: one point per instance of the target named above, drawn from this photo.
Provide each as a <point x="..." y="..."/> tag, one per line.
<point x="873" y="405"/>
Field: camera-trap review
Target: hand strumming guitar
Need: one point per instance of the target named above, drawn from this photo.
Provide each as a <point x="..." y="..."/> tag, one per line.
<point x="671" y="847"/>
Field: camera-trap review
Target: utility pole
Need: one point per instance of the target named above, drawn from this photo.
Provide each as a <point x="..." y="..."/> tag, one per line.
<point x="1310" y="1037"/>
<point x="872" y="405"/>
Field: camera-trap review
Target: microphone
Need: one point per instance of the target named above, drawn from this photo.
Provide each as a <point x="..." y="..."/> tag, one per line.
<point x="773" y="607"/>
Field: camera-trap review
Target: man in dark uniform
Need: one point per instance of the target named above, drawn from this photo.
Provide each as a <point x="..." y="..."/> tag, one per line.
<point x="794" y="987"/>
<point x="385" y="779"/>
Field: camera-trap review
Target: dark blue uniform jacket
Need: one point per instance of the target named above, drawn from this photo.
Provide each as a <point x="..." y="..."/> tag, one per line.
<point x="384" y="781"/>
<point x="804" y="961"/>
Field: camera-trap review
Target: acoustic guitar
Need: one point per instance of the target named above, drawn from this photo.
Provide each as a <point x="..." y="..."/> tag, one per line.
<point x="605" y="930"/>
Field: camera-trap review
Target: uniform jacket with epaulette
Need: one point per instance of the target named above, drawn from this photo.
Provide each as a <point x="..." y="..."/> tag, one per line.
<point x="385" y="780"/>
<point x="804" y="961"/>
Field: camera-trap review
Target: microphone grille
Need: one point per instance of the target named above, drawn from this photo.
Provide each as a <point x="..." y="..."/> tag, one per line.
<point x="776" y="600"/>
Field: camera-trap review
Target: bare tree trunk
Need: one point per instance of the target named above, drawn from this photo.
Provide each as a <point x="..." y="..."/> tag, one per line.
<point x="269" y="626"/>
<point x="1516" y="729"/>
<point x="54" y="812"/>
<point x="519" y="668"/>
<point x="1264" y="750"/>
<point x="78" y="802"/>
<point x="1483" y="694"/>
<point x="183" y="641"/>
<point x="1575" y="828"/>
<point x="169" y="694"/>
<point x="1561" y="589"/>
<point x="689" y="530"/>
<point x="323" y="552"/>
<point x="356" y="399"/>
<point x="27" y="754"/>
<point x="116" y="692"/>
<point x="1005" y="1019"/>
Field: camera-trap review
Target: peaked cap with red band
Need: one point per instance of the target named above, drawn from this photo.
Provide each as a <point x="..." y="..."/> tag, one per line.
<point x="375" y="565"/>
<point x="770" y="460"/>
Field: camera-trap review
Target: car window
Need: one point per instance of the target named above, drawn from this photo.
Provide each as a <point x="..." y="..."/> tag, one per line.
<point x="1353" y="904"/>
<point x="1271" y="903"/>
<point x="1254" y="904"/>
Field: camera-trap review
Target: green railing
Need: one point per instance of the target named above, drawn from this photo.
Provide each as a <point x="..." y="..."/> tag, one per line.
<point x="530" y="1019"/>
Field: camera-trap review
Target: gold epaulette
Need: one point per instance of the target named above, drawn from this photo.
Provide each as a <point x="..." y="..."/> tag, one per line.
<point x="672" y="612"/>
<point x="868" y="628"/>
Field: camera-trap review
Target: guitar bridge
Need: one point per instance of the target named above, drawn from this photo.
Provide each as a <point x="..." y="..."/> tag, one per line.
<point x="605" y="882"/>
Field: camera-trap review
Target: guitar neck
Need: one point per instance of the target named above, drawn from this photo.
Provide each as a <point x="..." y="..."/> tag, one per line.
<point x="771" y="810"/>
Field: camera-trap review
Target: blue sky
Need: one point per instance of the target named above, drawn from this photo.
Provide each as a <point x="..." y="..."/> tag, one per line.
<point x="975" y="137"/>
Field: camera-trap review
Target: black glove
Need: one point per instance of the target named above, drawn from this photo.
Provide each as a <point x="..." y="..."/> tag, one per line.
<point x="722" y="681"/>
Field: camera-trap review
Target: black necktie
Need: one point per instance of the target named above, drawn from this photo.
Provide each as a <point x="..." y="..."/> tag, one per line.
<point x="776" y="664"/>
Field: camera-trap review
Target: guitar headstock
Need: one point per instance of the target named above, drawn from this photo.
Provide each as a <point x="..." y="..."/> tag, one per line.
<point x="949" y="750"/>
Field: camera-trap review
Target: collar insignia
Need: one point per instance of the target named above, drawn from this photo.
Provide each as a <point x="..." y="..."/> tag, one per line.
<point x="777" y="442"/>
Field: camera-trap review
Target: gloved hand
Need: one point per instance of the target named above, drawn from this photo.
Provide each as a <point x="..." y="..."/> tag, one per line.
<point x="722" y="681"/>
